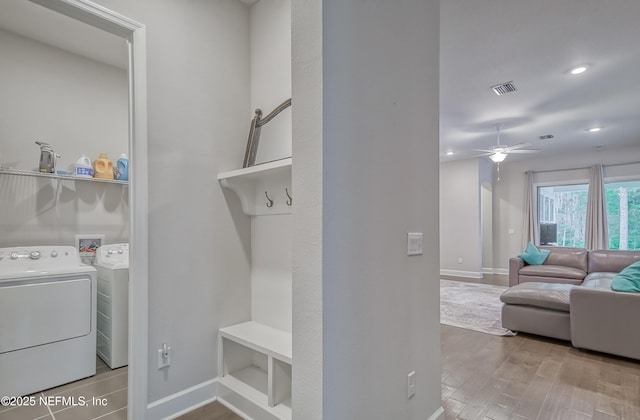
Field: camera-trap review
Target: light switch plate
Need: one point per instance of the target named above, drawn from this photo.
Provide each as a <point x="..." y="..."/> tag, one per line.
<point x="411" y="384"/>
<point x="414" y="243"/>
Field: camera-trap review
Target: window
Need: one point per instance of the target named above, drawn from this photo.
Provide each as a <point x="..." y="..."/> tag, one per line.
<point x="562" y="213"/>
<point x="623" y="214"/>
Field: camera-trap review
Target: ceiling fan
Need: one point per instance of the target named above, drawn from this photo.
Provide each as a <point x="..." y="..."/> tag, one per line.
<point x="499" y="152"/>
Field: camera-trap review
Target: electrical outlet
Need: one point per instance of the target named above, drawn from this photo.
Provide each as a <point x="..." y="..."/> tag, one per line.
<point x="460" y="260"/>
<point x="164" y="356"/>
<point x="411" y="384"/>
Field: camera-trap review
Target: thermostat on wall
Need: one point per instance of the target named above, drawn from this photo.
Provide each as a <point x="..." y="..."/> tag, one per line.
<point x="414" y="243"/>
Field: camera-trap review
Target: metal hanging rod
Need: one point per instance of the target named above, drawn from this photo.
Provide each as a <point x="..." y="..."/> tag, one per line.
<point x="254" y="132"/>
<point x="585" y="167"/>
<point x="273" y="113"/>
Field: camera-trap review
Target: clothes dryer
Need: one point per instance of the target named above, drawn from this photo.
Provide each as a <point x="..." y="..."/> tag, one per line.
<point x="112" y="263"/>
<point x="47" y="318"/>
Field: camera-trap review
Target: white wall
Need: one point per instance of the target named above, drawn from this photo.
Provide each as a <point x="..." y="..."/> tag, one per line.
<point x="73" y="103"/>
<point x="307" y="183"/>
<point x="270" y="23"/>
<point x="380" y="128"/>
<point x="460" y="227"/>
<point x="270" y="28"/>
<point x="271" y="249"/>
<point x="485" y="181"/>
<point x="198" y="101"/>
<point x="509" y="191"/>
<point x="486" y="229"/>
<point x="44" y="211"/>
<point x="78" y="106"/>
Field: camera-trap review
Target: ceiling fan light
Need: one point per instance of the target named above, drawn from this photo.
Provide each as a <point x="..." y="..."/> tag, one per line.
<point x="498" y="157"/>
<point x="579" y="69"/>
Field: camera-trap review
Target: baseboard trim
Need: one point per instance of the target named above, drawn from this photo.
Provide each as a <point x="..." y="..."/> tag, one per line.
<point x="438" y="415"/>
<point x="182" y="402"/>
<point x="175" y="405"/>
<point x="456" y="273"/>
<point x="500" y="271"/>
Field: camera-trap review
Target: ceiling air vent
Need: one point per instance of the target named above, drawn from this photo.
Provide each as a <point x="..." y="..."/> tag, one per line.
<point x="503" y="88"/>
<point x="546" y="136"/>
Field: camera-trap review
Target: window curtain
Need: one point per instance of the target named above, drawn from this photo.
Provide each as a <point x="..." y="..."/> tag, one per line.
<point x="530" y="231"/>
<point x="596" y="235"/>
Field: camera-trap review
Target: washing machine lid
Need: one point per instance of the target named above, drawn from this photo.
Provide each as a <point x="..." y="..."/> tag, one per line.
<point x="113" y="256"/>
<point x="38" y="261"/>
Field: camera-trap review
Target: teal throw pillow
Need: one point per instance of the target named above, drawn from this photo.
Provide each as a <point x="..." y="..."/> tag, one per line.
<point x="533" y="255"/>
<point x="628" y="280"/>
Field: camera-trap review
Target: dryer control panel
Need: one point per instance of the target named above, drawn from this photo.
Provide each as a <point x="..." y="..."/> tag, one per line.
<point x="36" y="258"/>
<point x="113" y="254"/>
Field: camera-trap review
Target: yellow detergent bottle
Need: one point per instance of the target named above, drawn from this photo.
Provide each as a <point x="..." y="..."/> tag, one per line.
<point x="103" y="167"/>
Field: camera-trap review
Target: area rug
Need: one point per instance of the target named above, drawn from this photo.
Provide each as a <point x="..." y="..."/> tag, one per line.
<point x="472" y="306"/>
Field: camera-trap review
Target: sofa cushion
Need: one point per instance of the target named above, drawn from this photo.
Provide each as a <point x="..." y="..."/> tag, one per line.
<point x="533" y="255"/>
<point x="598" y="280"/>
<point x="553" y="271"/>
<point x="611" y="260"/>
<point x="628" y="280"/>
<point x="605" y="321"/>
<point x="542" y="295"/>
<point x="568" y="257"/>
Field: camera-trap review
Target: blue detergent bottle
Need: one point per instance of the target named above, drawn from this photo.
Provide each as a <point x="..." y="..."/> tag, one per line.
<point x="122" y="168"/>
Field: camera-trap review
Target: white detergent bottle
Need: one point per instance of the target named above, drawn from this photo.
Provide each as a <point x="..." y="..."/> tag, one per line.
<point x="84" y="169"/>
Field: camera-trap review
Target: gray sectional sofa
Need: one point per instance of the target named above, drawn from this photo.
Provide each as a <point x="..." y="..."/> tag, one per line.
<point x="569" y="297"/>
<point x="570" y="265"/>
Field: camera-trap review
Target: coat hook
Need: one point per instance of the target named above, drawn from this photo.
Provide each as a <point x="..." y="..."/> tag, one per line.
<point x="269" y="201"/>
<point x="289" y="199"/>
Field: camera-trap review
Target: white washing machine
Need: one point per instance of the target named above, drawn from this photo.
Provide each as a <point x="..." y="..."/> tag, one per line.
<point x="112" y="263"/>
<point x="47" y="318"/>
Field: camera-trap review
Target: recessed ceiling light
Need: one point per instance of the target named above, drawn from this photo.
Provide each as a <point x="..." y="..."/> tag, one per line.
<point x="450" y="153"/>
<point x="594" y="129"/>
<point x="579" y="70"/>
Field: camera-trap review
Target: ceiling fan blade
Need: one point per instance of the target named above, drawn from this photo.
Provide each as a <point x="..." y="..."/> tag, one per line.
<point x="523" y="151"/>
<point x="487" y="151"/>
<point x="516" y="146"/>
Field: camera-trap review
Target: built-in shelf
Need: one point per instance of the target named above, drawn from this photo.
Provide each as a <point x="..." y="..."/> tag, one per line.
<point x="255" y="362"/>
<point x="58" y="176"/>
<point x="251" y="184"/>
<point x="262" y="338"/>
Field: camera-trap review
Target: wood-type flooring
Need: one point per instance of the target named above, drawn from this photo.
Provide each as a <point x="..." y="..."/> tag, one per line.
<point x="524" y="377"/>
<point x="530" y="377"/>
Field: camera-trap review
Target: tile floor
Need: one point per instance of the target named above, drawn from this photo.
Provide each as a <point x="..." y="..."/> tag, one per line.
<point x="108" y="387"/>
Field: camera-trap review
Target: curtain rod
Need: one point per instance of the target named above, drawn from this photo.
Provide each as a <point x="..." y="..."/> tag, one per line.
<point x="586" y="167"/>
